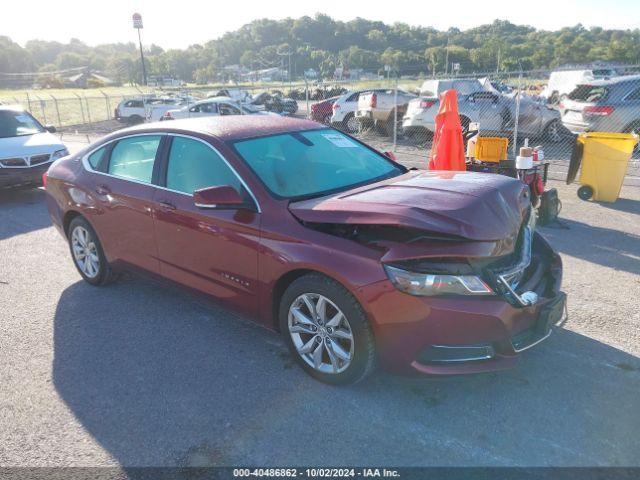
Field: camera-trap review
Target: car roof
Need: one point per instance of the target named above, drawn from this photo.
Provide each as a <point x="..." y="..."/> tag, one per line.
<point x="228" y="128"/>
<point x="217" y="99"/>
<point x="613" y="81"/>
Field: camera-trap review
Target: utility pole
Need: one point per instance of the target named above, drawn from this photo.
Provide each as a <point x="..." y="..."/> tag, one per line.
<point x="137" y="24"/>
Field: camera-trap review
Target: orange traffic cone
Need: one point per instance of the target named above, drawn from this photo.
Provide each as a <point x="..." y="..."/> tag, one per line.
<point x="447" y="151"/>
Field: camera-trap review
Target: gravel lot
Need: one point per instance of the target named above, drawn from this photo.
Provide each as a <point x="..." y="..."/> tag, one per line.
<point x="139" y="374"/>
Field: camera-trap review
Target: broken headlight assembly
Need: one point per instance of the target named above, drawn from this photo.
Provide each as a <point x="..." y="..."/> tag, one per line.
<point x="429" y="285"/>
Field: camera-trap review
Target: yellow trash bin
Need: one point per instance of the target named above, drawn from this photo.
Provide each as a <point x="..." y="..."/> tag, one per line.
<point x="602" y="158"/>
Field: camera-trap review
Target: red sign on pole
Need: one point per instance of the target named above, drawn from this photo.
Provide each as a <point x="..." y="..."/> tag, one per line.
<point x="137" y="20"/>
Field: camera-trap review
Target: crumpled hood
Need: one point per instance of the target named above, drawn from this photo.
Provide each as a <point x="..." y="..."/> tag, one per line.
<point x="475" y="206"/>
<point x="26" y="145"/>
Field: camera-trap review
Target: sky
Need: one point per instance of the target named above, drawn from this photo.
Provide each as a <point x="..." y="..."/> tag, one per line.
<point x="177" y="24"/>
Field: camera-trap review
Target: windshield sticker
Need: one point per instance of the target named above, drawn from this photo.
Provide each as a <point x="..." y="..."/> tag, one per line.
<point x="338" y="140"/>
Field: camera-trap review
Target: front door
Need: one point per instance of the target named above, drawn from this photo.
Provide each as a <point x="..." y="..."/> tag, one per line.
<point x="122" y="186"/>
<point x="214" y="251"/>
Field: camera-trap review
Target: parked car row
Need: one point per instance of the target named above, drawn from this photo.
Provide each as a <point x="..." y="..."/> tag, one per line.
<point x="479" y="101"/>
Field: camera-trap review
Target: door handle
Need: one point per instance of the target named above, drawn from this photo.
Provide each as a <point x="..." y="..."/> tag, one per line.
<point x="166" y="206"/>
<point x="103" y="190"/>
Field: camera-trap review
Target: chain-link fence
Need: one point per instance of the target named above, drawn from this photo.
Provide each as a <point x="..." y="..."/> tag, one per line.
<point x="397" y="113"/>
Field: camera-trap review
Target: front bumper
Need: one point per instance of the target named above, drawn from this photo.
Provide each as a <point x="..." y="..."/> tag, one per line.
<point x="456" y="335"/>
<point x="10" y="177"/>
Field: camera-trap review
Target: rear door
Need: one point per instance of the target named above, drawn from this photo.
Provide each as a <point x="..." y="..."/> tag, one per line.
<point x="214" y="251"/>
<point x="121" y="183"/>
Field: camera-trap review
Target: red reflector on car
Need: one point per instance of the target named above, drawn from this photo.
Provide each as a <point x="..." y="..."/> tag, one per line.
<point x="44" y="179"/>
<point x="426" y="104"/>
<point x="599" y="110"/>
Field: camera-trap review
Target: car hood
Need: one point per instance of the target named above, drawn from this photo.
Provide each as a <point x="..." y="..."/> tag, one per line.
<point x="463" y="205"/>
<point x="27" y="145"/>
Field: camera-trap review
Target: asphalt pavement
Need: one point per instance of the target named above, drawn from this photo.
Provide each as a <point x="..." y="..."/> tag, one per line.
<point x="141" y="374"/>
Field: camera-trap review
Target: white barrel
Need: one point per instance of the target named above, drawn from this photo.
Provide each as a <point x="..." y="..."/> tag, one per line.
<point x="524" y="163"/>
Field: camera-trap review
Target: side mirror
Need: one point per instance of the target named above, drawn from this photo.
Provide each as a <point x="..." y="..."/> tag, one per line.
<point x="219" y="197"/>
<point x="50" y="128"/>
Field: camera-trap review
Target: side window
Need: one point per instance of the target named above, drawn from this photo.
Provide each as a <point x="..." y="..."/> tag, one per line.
<point x="354" y="97"/>
<point x="193" y="165"/>
<point x="134" y="157"/>
<point x="96" y="157"/>
<point x="226" y="109"/>
<point x="208" y="108"/>
<point x="129" y="104"/>
<point x="195" y="108"/>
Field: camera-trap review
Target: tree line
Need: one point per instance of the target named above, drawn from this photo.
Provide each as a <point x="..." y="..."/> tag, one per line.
<point x="322" y="43"/>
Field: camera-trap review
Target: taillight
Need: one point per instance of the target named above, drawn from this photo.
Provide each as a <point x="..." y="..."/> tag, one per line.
<point x="167" y="115"/>
<point x="44" y="179"/>
<point x="374" y="100"/>
<point x="335" y="106"/>
<point x="426" y="104"/>
<point x="561" y="106"/>
<point x="314" y="107"/>
<point x="598" y="110"/>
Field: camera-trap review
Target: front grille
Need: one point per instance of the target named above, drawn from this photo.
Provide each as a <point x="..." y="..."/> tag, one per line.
<point x="38" y="159"/>
<point x="13" y="162"/>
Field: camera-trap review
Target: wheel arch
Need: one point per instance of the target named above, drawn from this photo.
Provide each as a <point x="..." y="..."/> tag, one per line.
<point x="68" y="218"/>
<point x="291" y="276"/>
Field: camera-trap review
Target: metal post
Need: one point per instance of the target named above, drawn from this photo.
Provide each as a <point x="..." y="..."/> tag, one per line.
<point x="144" y="69"/>
<point x="395" y="114"/>
<point x="107" y="103"/>
<point x="42" y="108"/>
<point x="55" y="102"/>
<point x="517" y="119"/>
<point x="86" y="101"/>
<point x="81" y="108"/>
<point x="28" y="102"/>
<point x="306" y="93"/>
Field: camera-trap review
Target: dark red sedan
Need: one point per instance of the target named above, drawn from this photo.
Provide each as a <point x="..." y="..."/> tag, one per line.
<point x="354" y="258"/>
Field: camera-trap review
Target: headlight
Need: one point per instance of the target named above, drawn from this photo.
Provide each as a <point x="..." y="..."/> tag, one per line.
<point x="425" y="284"/>
<point x="59" y="154"/>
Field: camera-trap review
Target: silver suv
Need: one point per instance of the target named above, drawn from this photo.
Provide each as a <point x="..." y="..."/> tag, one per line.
<point x="603" y="106"/>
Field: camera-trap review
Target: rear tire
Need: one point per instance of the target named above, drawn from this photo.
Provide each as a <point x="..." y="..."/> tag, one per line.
<point x="87" y="253"/>
<point x="552" y="131"/>
<point x="350" y="124"/>
<point x="334" y="342"/>
<point x="585" y="192"/>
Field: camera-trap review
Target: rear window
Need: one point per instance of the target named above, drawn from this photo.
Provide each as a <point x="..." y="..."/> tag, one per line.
<point x="589" y="93"/>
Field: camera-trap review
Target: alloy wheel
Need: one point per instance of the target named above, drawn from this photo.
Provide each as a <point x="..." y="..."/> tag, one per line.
<point x="85" y="252"/>
<point x="352" y="124"/>
<point x="321" y="333"/>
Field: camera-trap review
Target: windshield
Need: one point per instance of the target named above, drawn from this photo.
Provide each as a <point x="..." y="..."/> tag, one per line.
<point x="17" y="123"/>
<point x="314" y="163"/>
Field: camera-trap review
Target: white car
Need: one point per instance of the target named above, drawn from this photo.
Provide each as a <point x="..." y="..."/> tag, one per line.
<point x="154" y="111"/>
<point x="213" y="107"/>
<point x="133" y="110"/>
<point x="344" y="109"/>
<point x="26" y="147"/>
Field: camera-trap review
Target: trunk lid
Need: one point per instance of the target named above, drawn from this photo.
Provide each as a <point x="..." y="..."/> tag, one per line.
<point x="473" y="206"/>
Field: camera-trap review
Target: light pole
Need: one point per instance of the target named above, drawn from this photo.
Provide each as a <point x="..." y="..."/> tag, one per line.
<point x="137" y="24"/>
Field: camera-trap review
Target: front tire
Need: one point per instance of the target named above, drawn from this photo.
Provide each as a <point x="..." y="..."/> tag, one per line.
<point x="326" y="330"/>
<point x="87" y="253"/>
